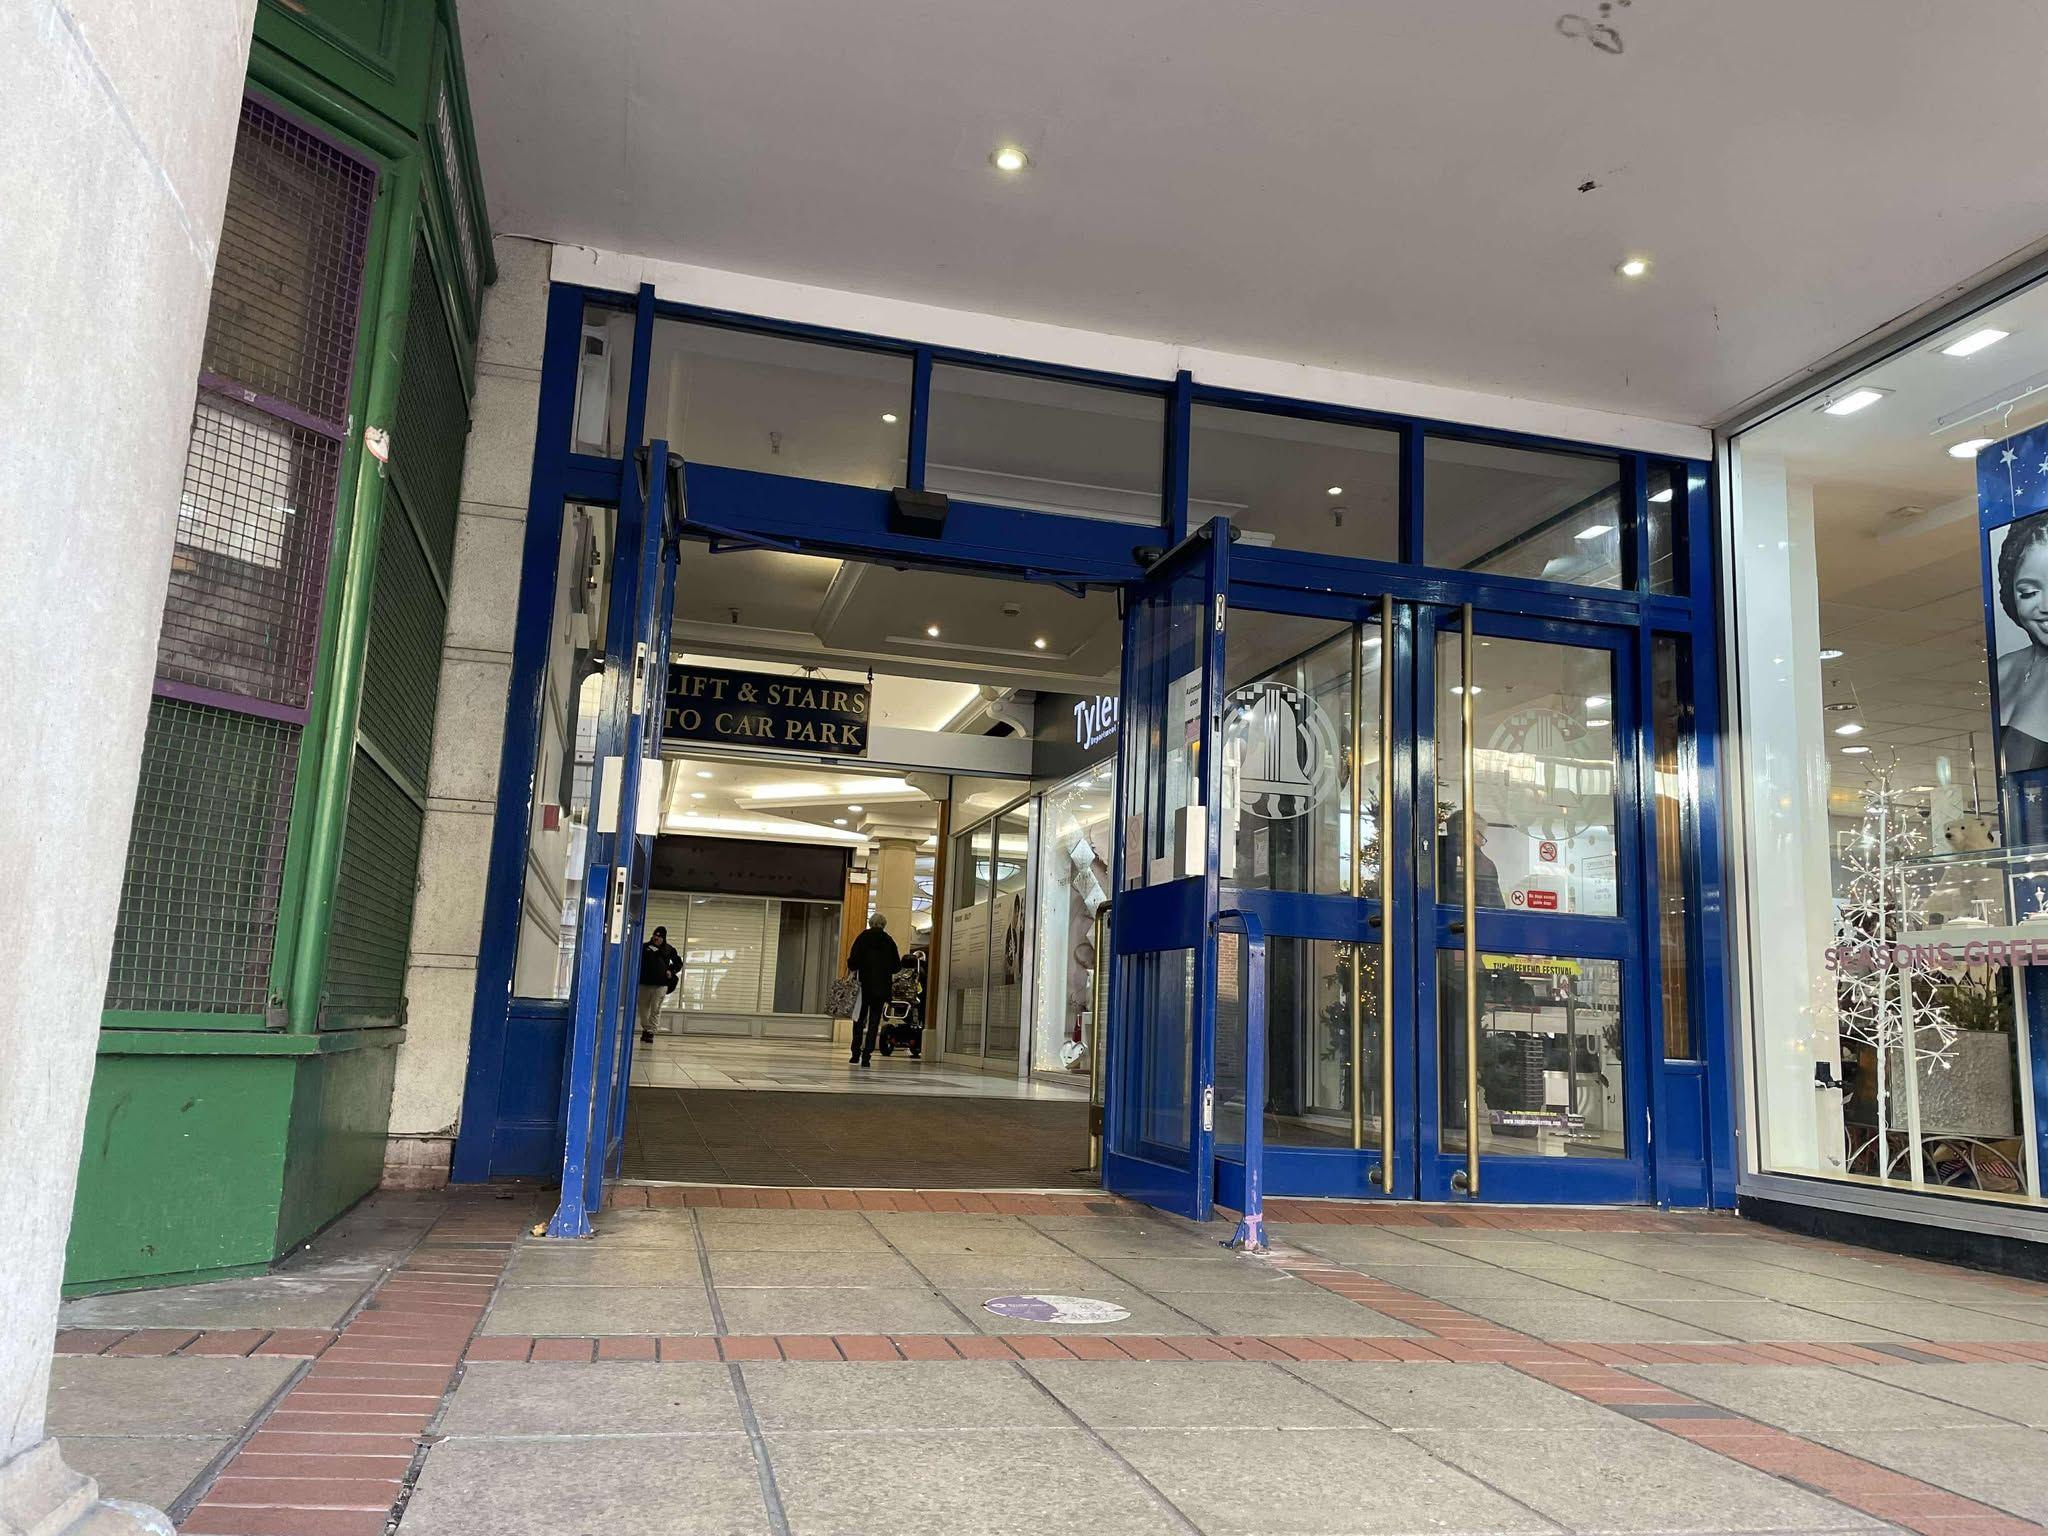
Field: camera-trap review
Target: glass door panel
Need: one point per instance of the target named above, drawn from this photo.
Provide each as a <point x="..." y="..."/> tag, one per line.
<point x="1544" y="773"/>
<point x="967" y="941"/>
<point x="1160" y="1132"/>
<point x="1531" y="993"/>
<point x="1010" y="867"/>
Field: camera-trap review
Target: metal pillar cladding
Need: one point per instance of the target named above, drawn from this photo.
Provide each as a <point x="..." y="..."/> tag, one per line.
<point x="1251" y="1229"/>
<point x="1468" y="827"/>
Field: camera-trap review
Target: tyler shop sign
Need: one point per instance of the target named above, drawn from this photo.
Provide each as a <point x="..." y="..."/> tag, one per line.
<point x="763" y="709"/>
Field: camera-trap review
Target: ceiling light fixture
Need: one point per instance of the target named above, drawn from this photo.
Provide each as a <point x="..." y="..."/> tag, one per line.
<point x="1851" y="729"/>
<point x="1854" y="401"/>
<point x="1830" y="654"/>
<point x="1597" y="701"/>
<point x="1975" y="342"/>
<point x="856" y="808"/>
<point x="1854" y="751"/>
<point x="1969" y="448"/>
<point x="1009" y="158"/>
<point x="1594" y="531"/>
<point x="1038" y="644"/>
<point x="1663" y="495"/>
<point x="1634" y="266"/>
<point x="889" y="417"/>
<point x="1336" y="490"/>
<point x="932" y="630"/>
<point x="698" y="794"/>
<point x="838" y="821"/>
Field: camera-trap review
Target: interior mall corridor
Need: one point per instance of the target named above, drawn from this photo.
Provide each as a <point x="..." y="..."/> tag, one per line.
<point x="801" y="1361"/>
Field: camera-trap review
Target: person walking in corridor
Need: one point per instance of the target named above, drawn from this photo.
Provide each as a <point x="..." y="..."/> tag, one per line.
<point x="660" y="969"/>
<point x="874" y="959"/>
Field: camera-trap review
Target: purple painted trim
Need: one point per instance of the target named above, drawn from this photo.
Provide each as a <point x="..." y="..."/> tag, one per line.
<point x="270" y="405"/>
<point x="234" y="703"/>
<point x="278" y="109"/>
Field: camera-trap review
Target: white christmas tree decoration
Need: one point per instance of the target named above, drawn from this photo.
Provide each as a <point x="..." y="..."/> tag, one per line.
<point x="1878" y="908"/>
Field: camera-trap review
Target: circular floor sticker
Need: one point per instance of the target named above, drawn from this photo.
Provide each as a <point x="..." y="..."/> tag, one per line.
<point x="1056" y="1309"/>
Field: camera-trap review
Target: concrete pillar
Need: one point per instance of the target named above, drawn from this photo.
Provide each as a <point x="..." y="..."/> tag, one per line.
<point x="469" y="731"/>
<point x="120" y="126"/>
<point x="894" y="872"/>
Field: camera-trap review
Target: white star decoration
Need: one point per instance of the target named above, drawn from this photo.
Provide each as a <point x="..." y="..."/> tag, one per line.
<point x="2007" y="457"/>
<point x="2044" y="467"/>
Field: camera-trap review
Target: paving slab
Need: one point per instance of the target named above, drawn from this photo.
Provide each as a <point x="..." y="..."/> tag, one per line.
<point x="2018" y="1393"/>
<point x="153" y="1469"/>
<point x="1423" y="1396"/>
<point x="1254" y="1482"/>
<point x="1004" y="1235"/>
<point x="2005" y="1467"/>
<point x="1046" y="1482"/>
<point x="1371" y="1247"/>
<point x="788" y="1236"/>
<point x="639" y="1486"/>
<point x="836" y="1309"/>
<point x="1634" y="1478"/>
<point x="1009" y="1274"/>
<point x="753" y="1267"/>
<point x="929" y="1396"/>
<point x="259" y="1301"/>
<point x="1761" y="1319"/>
<point x="1225" y="1272"/>
<point x="1300" y="1310"/>
<point x="1167" y="1395"/>
<point x="608" y="1397"/>
<point x="1809" y="1400"/>
<point x="600" y="1263"/>
<point x="191" y="1395"/>
<point x="1934" y="1320"/>
<point x="1588" y="1319"/>
<point x="582" y="1310"/>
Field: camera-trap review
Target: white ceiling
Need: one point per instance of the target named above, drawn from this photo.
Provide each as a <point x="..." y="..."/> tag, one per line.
<point x="1382" y="185"/>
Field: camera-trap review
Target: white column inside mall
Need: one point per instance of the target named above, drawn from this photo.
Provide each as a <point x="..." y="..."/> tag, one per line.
<point x="1785" y="739"/>
<point x="119" y="122"/>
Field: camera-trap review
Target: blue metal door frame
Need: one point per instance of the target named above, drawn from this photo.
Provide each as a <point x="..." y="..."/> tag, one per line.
<point x="853" y="522"/>
<point x="614" y="888"/>
<point x="1160" y="1132"/>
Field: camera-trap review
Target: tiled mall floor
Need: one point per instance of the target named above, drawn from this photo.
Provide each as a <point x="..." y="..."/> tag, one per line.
<point x="820" y="1066"/>
<point x="822" y="1361"/>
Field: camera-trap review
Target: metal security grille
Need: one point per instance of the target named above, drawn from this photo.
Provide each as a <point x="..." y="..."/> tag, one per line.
<point x="402" y="672"/>
<point x="199" y="901"/>
<point x="198" y="912"/>
<point x="289" y="279"/>
<point x="373" y="898"/>
<point x="432" y="422"/>
<point x="254" y="519"/>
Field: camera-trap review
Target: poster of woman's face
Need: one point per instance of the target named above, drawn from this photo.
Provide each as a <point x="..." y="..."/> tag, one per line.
<point x="2019" y="567"/>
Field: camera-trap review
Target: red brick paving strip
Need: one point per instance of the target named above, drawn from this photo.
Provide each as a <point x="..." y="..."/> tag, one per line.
<point x="332" y="1456"/>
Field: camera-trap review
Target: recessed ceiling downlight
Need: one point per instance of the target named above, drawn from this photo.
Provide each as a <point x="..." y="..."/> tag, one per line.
<point x="1634" y="266"/>
<point x="1975" y="342"/>
<point x="1010" y="158"/>
<point x="1855" y="400"/>
<point x="1969" y="448"/>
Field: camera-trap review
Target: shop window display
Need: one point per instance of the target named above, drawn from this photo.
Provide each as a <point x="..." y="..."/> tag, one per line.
<point x="1892" y="625"/>
<point x="1074" y="852"/>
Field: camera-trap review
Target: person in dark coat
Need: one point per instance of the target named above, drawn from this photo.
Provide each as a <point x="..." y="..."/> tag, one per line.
<point x="874" y="959"/>
<point x="660" y="968"/>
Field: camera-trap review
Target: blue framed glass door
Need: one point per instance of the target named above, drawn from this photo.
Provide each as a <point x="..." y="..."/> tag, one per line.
<point x="626" y="768"/>
<point x="1343" y="787"/>
<point x="1529" y="985"/>
<point x="1160" y="1126"/>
